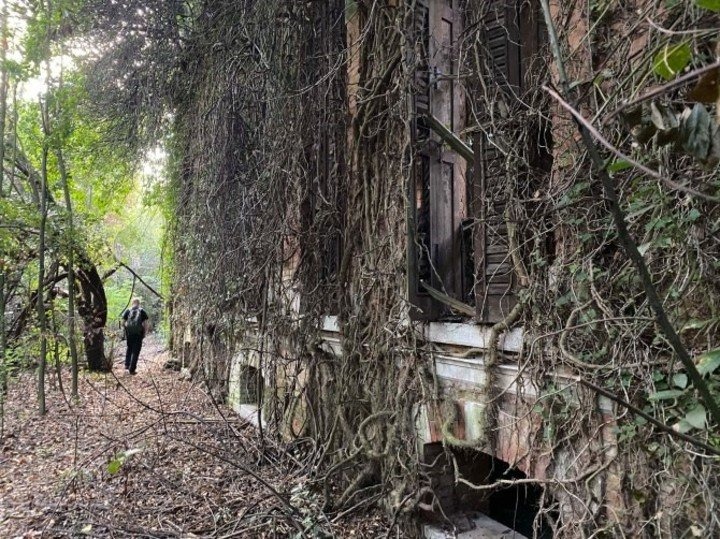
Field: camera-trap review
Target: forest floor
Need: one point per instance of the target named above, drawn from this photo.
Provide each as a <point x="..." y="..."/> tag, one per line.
<point x="151" y="456"/>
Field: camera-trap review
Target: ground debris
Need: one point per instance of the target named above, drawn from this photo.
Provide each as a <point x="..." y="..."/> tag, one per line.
<point x="149" y="456"/>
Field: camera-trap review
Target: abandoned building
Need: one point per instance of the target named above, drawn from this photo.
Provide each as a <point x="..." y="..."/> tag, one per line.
<point x="408" y="257"/>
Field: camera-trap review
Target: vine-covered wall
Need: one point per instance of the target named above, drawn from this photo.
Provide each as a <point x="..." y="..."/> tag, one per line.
<point x="296" y="153"/>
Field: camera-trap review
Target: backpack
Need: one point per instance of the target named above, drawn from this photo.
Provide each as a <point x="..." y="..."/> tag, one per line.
<point x="134" y="326"/>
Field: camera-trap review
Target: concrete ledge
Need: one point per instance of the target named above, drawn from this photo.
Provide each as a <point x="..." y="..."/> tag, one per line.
<point x="452" y="333"/>
<point x="471" y="335"/>
<point x="472" y="372"/>
<point x="486" y="528"/>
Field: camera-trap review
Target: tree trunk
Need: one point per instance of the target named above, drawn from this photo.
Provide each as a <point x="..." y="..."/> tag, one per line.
<point x="70" y="234"/>
<point x="42" y="323"/>
<point x="3" y="92"/>
<point x="3" y="111"/>
<point x="92" y="307"/>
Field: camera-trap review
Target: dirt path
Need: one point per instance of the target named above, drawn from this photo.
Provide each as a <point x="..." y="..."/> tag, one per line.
<point x="148" y="456"/>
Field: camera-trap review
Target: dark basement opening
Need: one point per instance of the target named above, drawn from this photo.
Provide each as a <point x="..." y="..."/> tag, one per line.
<point x="515" y="506"/>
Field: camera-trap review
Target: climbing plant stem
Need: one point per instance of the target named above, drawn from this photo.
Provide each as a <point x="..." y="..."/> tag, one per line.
<point x="623" y="233"/>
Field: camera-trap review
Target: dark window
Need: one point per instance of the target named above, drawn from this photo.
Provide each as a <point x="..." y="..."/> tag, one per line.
<point x="250" y="385"/>
<point x="438" y="195"/>
<point x="460" y="261"/>
<point x="523" y="507"/>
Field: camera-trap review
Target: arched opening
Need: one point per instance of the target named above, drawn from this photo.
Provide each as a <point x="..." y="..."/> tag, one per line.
<point x="250" y="385"/>
<point x="460" y="508"/>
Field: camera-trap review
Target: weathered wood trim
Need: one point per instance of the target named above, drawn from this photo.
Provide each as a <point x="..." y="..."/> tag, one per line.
<point x="450" y="138"/>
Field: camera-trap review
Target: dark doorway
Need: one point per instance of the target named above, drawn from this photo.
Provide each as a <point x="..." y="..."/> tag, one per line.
<point x="251" y="385"/>
<point x="515" y="506"/>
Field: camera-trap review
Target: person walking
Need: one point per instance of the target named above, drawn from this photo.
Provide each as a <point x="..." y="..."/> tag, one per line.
<point x="135" y="328"/>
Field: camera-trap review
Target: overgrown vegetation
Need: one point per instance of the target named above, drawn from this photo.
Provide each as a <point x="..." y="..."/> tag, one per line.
<point x="64" y="193"/>
<point x="286" y="209"/>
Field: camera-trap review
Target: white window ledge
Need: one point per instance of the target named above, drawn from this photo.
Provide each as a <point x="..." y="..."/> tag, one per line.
<point x="452" y="333"/>
<point x="471" y="335"/>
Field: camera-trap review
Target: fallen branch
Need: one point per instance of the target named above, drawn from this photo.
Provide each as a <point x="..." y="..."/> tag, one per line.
<point x="134" y="274"/>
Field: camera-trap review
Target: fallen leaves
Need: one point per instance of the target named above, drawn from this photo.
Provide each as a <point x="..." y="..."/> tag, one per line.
<point x="146" y="456"/>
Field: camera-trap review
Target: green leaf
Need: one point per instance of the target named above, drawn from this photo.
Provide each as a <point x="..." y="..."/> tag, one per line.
<point x="114" y="466"/>
<point x="712" y="5"/>
<point x="666" y="394"/>
<point x="680" y="380"/>
<point x="671" y="60"/>
<point x="708" y="362"/>
<point x="618" y="165"/>
<point x="682" y="426"/>
<point x="697" y="417"/>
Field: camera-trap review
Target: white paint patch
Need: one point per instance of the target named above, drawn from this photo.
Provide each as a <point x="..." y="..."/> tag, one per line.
<point x="471" y="335"/>
<point x="486" y="528"/>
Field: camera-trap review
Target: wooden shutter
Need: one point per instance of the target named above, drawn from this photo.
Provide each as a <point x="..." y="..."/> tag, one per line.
<point x="447" y="168"/>
<point x="502" y="43"/>
<point x="421" y="90"/>
<point x="495" y="280"/>
<point x="494" y="275"/>
<point x="419" y="227"/>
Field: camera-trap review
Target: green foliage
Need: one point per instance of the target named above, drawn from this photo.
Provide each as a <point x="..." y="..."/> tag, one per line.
<point x="697" y="132"/>
<point x="120" y="459"/>
<point x="101" y="174"/>
<point x="712" y="5"/>
<point x="691" y="131"/>
<point x="666" y="394"/>
<point x="671" y="60"/>
<point x="678" y="398"/>
<point x="708" y="362"/>
<point x="47" y="26"/>
<point x="618" y="165"/>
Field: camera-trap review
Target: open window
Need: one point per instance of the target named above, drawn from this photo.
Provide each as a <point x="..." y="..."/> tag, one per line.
<point x="460" y="259"/>
<point x="439" y="201"/>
